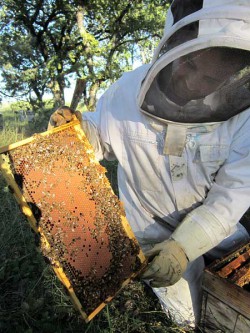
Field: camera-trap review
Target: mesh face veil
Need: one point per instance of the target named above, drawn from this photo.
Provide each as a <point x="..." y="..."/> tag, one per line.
<point x="208" y="85"/>
<point x="201" y="69"/>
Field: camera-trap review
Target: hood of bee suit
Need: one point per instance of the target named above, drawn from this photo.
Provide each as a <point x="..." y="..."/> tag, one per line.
<point x="198" y="33"/>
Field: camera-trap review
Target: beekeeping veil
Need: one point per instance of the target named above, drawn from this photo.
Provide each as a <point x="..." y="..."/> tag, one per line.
<point x="196" y="33"/>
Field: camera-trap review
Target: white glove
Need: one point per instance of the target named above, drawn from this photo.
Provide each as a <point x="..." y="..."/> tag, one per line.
<point x="199" y="232"/>
<point x="168" y="265"/>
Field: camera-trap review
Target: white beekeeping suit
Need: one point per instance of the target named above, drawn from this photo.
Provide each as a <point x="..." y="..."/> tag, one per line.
<point x="184" y="157"/>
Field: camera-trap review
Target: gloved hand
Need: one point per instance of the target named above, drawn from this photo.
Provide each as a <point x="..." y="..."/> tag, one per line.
<point x="62" y="116"/>
<point x="168" y="265"/>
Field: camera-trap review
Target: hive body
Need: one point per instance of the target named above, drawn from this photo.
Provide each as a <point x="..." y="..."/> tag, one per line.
<point x="226" y="293"/>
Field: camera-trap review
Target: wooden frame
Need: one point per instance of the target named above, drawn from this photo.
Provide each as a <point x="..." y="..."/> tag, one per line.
<point x="7" y="171"/>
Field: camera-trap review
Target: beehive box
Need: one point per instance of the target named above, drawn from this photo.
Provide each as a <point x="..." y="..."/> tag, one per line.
<point x="69" y="203"/>
<point x="226" y="294"/>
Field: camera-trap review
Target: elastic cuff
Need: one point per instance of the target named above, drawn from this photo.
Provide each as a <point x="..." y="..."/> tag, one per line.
<point x="199" y="232"/>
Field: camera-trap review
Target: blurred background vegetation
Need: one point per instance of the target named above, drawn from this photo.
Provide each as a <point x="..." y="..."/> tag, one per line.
<point x="49" y="45"/>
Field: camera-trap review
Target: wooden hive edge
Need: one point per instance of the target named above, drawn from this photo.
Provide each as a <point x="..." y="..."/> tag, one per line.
<point x="234" y="296"/>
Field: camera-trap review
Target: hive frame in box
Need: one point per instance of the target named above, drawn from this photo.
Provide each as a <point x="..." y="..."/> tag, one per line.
<point x="26" y="158"/>
<point x="226" y="286"/>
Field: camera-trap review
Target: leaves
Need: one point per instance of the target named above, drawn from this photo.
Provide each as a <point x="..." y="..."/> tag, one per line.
<point x="45" y="42"/>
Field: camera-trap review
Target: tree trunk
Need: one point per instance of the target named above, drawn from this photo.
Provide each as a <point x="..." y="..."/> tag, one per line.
<point x="92" y="96"/>
<point x="78" y="92"/>
<point x="58" y="94"/>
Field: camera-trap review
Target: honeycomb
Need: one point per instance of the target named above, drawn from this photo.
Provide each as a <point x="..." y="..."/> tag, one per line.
<point x="69" y="202"/>
<point x="236" y="267"/>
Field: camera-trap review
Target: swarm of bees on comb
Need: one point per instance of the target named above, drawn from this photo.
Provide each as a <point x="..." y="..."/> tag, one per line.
<point x="69" y="202"/>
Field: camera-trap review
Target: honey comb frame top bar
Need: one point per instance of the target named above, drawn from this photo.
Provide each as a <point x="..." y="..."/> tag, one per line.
<point x="235" y="266"/>
<point x="69" y="203"/>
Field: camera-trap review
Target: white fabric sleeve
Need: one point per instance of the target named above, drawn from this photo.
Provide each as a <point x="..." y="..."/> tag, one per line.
<point x="97" y="132"/>
<point x="199" y="232"/>
<point x="92" y="135"/>
<point x="227" y="200"/>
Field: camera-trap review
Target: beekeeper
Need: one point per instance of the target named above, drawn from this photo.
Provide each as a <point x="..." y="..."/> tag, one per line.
<point x="179" y="128"/>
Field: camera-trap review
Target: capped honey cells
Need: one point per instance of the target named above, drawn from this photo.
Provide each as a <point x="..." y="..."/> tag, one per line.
<point x="69" y="202"/>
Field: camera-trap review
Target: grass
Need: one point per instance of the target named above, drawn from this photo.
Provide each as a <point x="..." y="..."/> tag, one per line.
<point x="32" y="300"/>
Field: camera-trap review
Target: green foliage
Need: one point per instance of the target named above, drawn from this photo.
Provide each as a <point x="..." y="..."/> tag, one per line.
<point x="12" y="130"/>
<point x="15" y="129"/>
<point x="44" y="43"/>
